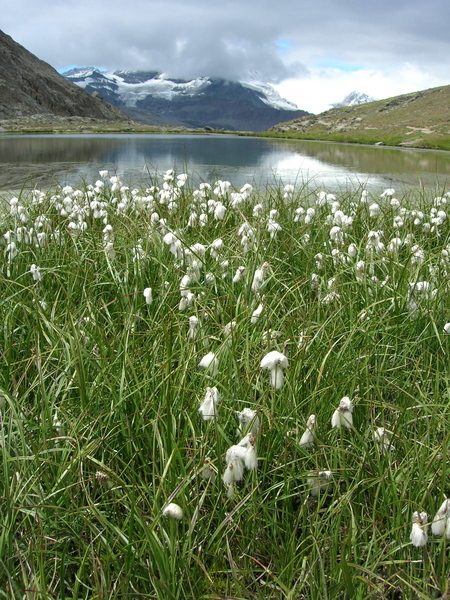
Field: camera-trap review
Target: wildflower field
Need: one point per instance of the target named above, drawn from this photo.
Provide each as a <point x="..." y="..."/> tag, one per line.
<point x="224" y="394"/>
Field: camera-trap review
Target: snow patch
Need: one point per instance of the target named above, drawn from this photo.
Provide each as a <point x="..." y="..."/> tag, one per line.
<point x="270" y="96"/>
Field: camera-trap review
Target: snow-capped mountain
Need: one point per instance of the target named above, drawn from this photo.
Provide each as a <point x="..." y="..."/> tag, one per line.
<point x="353" y="99"/>
<point x="156" y="98"/>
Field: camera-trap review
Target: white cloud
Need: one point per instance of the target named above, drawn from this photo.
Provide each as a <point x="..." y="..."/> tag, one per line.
<point x="325" y="86"/>
<point x="382" y="48"/>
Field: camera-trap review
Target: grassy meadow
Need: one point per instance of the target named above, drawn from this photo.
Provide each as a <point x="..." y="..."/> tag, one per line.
<point x="415" y="120"/>
<point x="144" y="451"/>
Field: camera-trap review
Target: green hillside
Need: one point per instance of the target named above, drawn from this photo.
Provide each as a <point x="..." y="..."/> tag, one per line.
<point x="420" y="120"/>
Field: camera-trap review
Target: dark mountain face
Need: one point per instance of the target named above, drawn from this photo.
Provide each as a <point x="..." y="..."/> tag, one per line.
<point x="29" y="86"/>
<point x="222" y="105"/>
<point x="151" y="98"/>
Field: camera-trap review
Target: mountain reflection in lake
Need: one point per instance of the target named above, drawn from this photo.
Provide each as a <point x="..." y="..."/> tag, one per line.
<point x="44" y="160"/>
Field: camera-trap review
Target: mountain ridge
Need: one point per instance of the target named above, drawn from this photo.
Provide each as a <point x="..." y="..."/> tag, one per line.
<point x="353" y="99"/>
<point x="30" y="87"/>
<point x="203" y="102"/>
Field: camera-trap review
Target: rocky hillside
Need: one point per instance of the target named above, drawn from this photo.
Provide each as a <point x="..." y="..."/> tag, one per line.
<point x="30" y="87"/>
<point x="420" y="119"/>
<point x="156" y="99"/>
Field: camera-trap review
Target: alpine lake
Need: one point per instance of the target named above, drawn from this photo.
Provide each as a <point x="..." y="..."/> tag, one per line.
<point x="138" y="159"/>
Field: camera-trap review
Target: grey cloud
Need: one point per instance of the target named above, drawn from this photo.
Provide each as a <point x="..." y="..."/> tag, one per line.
<point x="231" y="40"/>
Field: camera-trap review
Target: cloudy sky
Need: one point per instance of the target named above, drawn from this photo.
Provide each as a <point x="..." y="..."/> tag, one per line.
<point x="314" y="52"/>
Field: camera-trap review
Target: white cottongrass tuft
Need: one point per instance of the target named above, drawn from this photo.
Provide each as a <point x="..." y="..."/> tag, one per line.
<point x="174" y="511"/>
<point x="237" y="458"/>
<point x="251" y="460"/>
<point x="57" y="424"/>
<point x="441" y="521"/>
<point x="419" y="535"/>
<point x="208" y="408"/>
<point x="210" y="362"/>
<point x="337" y="235"/>
<point x="257" y="313"/>
<point x="382" y="439"/>
<point x="258" y="277"/>
<point x="240" y="272"/>
<point x="275" y="363"/>
<point x="228" y="328"/>
<point x="342" y="416"/>
<point x="307" y="438"/>
<point x="447" y="328"/>
<point x="148" y="295"/>
<point x="208" y="472"/>
<point x="248" y="421"/>
<point x="374" y="210"/>
<point x="35" y="271"/>
<point x="194" y="326"/>
<point x="319" y="482"/>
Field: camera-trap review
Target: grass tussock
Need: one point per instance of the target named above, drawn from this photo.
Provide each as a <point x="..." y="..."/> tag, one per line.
<point x="146" y="453"/>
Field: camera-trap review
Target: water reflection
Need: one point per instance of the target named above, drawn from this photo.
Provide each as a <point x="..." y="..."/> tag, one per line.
<point x="44" y="160"/>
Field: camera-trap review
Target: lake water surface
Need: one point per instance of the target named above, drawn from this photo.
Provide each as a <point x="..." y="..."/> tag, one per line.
<point x="44" y="160"/>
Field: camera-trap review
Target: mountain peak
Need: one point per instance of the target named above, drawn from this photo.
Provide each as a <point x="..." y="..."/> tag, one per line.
<point x="149" y="96"/>
<point x="353" y="99"/>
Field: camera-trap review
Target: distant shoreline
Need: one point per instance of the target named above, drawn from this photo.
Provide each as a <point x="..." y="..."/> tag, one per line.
<point x="36" y="125"/>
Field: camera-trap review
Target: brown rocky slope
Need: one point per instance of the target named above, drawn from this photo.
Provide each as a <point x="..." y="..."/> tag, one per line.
<point x="29" y="87"/>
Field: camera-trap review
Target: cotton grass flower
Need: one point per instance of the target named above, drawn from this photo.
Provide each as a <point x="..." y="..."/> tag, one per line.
<point x="319" y="482"/>
<point x="275" y="363"/>
<point x="342" y="416"/>
<point x="186" y="301"/>
<point x="240" y="272"/>
<point x="148" y="295"/>
<point x="36" y="273"/>
<point x="57" y="425"/>
<point x="173" y="511"/>
<point x="228" y="328"/>
<point x="383" y="441"/>
<point x="210" y="363"/>
<point x="216" y="248"/>
<point x="208" y="408"/>
<point x="248" y="421"/>
<point x="251" y="459"/>
<point x="194" y="326"/>
<point x="441" y="521"/>
<point x="419" y="535"/>
<point x="374" y="210"/>
<point x="237" y="458"/>
<point x="273" y="228"/>
<point x="256" y="314"/>
<point x="307" y="439"/>
<point x="258" y="277"/>
<point x="337" y="235"/>
<point x="208" y="472"/>
<point x="11" y="251"/>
